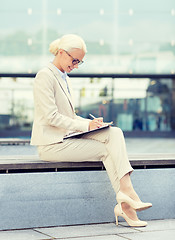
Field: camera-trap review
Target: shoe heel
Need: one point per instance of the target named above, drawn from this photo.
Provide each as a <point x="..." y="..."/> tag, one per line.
<point x="116" y="218"/>
<point x="116" y="213"/>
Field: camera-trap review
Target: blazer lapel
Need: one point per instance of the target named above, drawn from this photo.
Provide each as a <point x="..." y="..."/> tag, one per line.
<point x="70" y="90"/>
<point x="62" y="84"/>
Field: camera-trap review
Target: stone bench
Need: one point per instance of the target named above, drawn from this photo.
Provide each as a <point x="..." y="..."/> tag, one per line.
<point x="35" y="193"/>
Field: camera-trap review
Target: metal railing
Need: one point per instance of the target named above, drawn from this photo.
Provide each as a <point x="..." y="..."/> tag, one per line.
<point x="96" y="75"/>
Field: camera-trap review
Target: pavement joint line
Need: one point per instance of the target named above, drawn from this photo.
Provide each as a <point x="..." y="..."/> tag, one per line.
<point x="90" y="236"/>
<point x="127" y="226"/>
<point x="48" y="239"/>
<point x="35" y="230"/>
<point x="158" y="230"/>
<point x="124" y="237"/>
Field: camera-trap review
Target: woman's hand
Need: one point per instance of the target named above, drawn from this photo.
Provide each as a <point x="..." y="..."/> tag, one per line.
<point x="96" y="123"/>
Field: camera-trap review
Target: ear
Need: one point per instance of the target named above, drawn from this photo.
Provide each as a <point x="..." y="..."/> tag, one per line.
<point x="60" y="51"/>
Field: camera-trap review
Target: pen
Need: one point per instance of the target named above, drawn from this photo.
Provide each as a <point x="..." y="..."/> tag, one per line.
<point x="92" y="116"/>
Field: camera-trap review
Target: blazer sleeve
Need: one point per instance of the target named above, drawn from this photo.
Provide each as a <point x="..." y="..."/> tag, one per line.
<point x="45" y="103"/>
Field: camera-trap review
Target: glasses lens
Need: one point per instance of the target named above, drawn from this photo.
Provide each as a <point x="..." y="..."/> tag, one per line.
<point x="75" y="61"/>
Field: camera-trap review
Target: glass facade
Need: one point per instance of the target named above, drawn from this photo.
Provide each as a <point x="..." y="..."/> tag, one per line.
<point x="144" y="104"/>
<point x="133" y="104"/>
<point x="122" y="36"/>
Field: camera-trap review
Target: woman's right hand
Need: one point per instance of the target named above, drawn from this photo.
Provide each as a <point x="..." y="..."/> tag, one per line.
<point x="96" y="123"/>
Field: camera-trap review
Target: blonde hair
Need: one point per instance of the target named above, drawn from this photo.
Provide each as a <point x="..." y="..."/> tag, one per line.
<point x="67" y="42"/>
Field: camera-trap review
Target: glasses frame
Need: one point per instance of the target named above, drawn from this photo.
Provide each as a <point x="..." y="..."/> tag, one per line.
<point x="75" y="61"/>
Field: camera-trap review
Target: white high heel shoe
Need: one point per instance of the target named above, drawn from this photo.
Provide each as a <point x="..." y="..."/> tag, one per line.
<point x="139" y="206"/>
<point x="119" y="212"/>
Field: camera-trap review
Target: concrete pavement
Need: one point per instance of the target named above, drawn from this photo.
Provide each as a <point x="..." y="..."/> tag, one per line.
<point x="156" y="230"/>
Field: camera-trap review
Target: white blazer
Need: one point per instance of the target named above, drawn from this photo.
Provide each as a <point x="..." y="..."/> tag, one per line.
<point x="54" y="115"/>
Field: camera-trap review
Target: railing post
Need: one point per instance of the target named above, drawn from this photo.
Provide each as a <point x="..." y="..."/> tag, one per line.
<point x="111" y="103"/>
<point x="172" y="120"/>
<point x="12" y="107"/>
<point x="146" y="111"/>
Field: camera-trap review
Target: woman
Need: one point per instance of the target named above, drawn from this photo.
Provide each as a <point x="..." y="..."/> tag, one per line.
<point x="55" y="118"/>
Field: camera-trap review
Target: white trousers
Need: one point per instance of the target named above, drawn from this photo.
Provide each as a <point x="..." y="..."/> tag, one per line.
<point x="107" y="145"/>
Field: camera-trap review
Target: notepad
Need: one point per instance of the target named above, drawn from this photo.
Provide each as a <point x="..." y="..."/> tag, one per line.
<point x="80" y="134"/>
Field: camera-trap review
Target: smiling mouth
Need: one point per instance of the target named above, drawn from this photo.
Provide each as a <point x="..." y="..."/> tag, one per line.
<point x="70" y="68"/>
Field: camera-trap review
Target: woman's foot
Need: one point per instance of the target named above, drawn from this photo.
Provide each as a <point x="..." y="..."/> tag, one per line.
<point x="129" y="214"/>
<point x="126" y="187"/>
<point x="129" y="211"/>
<point x="136" y="203"/>
<point x="128" y="195"/>
<point x="131" y="193"/>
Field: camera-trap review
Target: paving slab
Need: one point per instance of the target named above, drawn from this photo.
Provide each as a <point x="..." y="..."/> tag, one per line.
<point x="168" y="224"/>
<point x="153" y="235"/>
<point x="91" y="230"/>
<point x="23" y="235"/>
<point x="155" y="225"/>
<point x="105" y="237"/>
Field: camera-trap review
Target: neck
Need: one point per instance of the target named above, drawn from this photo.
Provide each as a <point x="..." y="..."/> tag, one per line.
<point x="56" y="63"/>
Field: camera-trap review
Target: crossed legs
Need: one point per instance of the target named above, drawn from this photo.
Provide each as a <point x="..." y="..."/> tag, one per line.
<point x="107" y="145"/>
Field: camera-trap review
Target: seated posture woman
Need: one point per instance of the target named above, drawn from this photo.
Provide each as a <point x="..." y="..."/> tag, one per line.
<point x="55" y="118"/>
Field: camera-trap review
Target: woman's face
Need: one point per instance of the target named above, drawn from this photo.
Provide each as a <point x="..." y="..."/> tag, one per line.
<point x="68" y="60"/>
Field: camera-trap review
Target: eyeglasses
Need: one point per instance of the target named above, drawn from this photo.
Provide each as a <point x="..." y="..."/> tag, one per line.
<point x="75" y="60"/>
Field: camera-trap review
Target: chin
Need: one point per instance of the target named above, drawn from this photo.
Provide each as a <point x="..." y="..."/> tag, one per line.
<point x="69" y="69"/>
